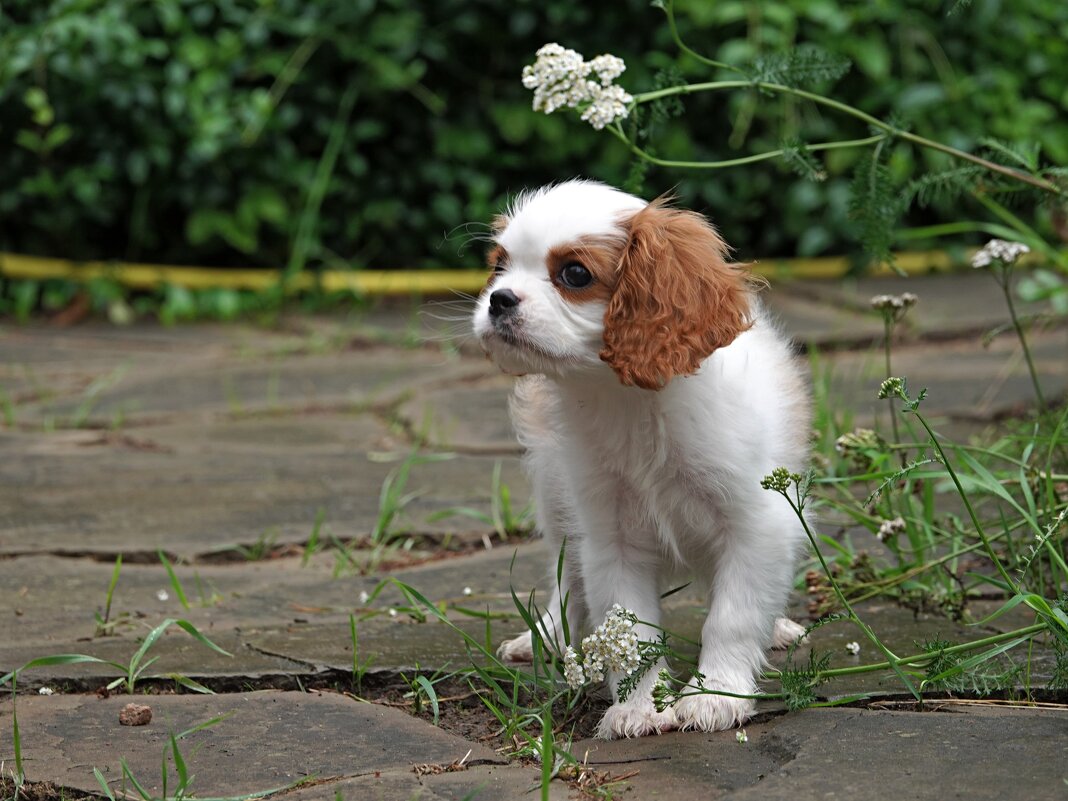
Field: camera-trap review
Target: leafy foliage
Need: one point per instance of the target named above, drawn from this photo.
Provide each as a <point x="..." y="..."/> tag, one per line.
<point x="801" y="160"/>
<point x="799" y="683"/>
<point x="874" y="205"/>
<point x="803" y="67"/>
<point x="182" y="131"/>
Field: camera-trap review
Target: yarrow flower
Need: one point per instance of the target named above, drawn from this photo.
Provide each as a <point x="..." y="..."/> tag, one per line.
<point x="859" y="446"/>
<point x="890" y="528"/>
<point x="612" y="646"/>
<point x="663" y="695"/>
<point x="893" y="307"/>
<point x="853" y="647"/>
<point x="560" y="77"/>
<point x="999" y="250"/>
<point x="780" y="479"/>
<point x="893" y="302"/>
<point x="573" y="671"/>
<point x="891" y="387"/>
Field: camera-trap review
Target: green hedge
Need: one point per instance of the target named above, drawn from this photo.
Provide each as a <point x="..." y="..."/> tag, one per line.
<point x="274" y="132"/>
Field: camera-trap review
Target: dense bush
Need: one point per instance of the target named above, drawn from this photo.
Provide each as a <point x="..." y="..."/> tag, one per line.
<point x="360" y="132"/>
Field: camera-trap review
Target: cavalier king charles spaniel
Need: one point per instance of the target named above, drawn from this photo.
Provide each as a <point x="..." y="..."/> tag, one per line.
<point x="654" y="395"/>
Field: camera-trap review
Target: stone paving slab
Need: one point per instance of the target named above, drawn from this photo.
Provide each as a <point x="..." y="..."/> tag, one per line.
<point x="269" y="739"/>
<point x="273" y="616"/>
<point x="964" y="380"/>
<point x="233" y="435"/>
<point x="362" y="751"/>
<point x="247" y="384"/>
<point x="963" y="751"/>
<point x="480" y="783"/>
<point x="279" y="619"/>
<point x="192" y="489"/>
<point x="472" y="418"/>
<point x="950" y="304"/>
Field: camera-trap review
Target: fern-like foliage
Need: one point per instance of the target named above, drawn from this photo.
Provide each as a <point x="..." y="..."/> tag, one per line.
<point x="1058" y="679"/>
<point x="666" y="108"/>
<point x="1022" y="155"/>
<point x="943" y="186"/>
<point x="799" y="683"/>
<point x="875" y="205"/>
<point x="981" y="680"/>
<point x="803" y="67"/>
<point x="800" y="159"/>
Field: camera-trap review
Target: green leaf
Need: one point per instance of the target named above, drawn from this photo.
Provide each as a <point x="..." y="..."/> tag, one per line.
<point x="191" y="630"/>
<point x="59" y="659"/>
<point x="431" y="694"/>
<point x="805" y="66"/>
<point x="875" y="206"/>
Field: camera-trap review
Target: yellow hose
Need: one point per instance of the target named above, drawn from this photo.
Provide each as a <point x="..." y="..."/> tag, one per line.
<point x="388" y="282"/>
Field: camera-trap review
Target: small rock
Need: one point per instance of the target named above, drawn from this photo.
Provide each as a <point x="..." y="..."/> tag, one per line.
<point x="135" y="715"/>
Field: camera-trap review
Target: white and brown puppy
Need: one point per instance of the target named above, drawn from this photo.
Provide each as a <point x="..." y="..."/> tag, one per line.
<point x="655" y="395"/>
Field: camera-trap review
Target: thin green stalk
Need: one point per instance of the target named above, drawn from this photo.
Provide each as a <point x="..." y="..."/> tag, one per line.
<point x="892" y="660"/>
<point x="685" y="89"/>
<point x="911" y="661"/>
<point x="1019" y="229"/>
<point x="1006" y="287"/>
<point x="617" y="131"/>
<point x="320" y="182"/>
<point x="669" y="11"/>
<point x="888" y="330"/>
<point x="967" y="503"/>
<point x="954" y="228"/>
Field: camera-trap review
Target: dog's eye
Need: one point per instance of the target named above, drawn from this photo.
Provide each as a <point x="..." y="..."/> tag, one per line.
<point x="575" y="276"/>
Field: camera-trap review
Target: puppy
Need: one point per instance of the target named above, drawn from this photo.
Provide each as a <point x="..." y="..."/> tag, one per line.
<point x="655" y="394"/>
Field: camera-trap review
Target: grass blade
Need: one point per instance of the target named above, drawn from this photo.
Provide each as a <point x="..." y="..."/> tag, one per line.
<point x="176" y="585"/>
<point x="431" y="694"/>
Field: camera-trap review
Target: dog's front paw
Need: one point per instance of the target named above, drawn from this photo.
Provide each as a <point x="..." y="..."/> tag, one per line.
<point x="521" y="649"/>
<point x="634" y="720"/>
<point x="786" y="633"/>
<point x="708" y="712"/>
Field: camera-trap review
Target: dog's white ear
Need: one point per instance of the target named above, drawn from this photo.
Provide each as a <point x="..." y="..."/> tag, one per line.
<point x="677" y="299"/>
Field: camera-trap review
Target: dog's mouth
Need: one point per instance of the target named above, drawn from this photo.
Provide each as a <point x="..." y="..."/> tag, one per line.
<point x="515" y="342"/>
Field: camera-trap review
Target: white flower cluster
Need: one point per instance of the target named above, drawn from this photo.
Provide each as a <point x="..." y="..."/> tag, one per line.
<point x="573" y="672"/>
<point x="890" y="528"/>
<point x="853" y="647"/>
<point x="612" y="646"/>
<point x="560" y="78"/>
<point x="999" y="250"/>
<point x="893" y="302"/>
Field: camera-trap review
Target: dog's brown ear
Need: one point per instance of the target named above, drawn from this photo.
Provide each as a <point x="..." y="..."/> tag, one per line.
<point x="677" y="299"/>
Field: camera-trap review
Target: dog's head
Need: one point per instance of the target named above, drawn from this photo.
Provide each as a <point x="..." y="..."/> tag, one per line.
<point x="583" y="274"/>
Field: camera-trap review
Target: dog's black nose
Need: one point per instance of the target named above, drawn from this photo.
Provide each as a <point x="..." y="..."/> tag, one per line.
<point x="502" y="301"/>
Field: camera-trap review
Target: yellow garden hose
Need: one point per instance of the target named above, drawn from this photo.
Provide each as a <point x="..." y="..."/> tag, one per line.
<point x="389" y="282"/>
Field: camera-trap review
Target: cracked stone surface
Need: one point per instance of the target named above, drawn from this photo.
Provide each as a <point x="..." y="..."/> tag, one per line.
<point x="267" y="740"/>
<point x="213" y="443"/>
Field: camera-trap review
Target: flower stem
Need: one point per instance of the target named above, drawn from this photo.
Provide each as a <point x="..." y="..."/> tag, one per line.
<point x="715" y="165"/>
<point x="670" y="12"/>
<point x="911" y="661"/>
<point x="967" y="503"/>
<point x="888" y="330"/>
<point x="1005" y="282"/>
<point x="685" y="89"/>
<point x="892" y="661"/>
